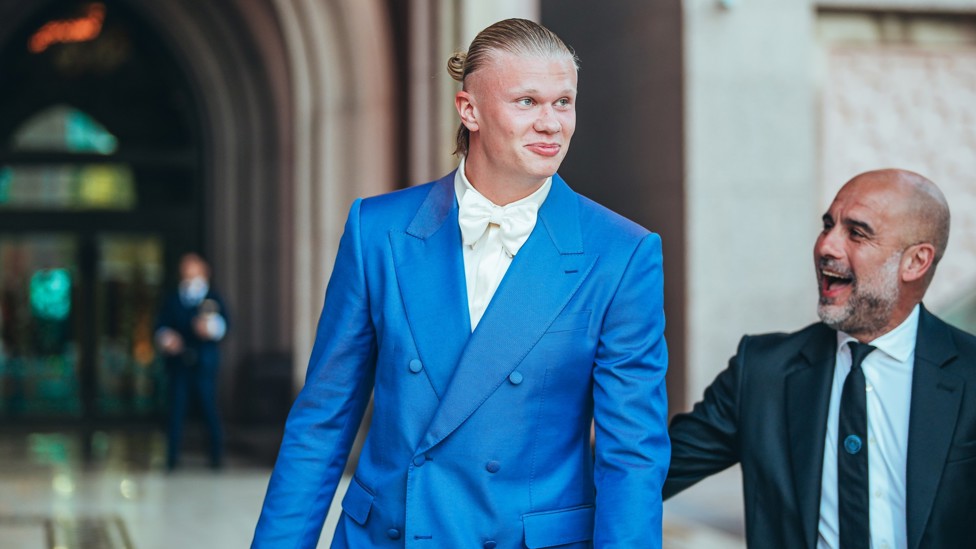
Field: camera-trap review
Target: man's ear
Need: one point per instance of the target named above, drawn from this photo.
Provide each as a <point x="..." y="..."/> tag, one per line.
<point x="916" y="261"/>
<point x="464" y="103"/>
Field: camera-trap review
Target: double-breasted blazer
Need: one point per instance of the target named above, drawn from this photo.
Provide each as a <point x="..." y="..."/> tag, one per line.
<point x="768" y="411"/>
<point x="482" y="439"/>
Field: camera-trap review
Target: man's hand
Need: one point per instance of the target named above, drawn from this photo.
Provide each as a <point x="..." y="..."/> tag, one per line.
<point x="209" y="326"/>
<point x="169" y="341"/>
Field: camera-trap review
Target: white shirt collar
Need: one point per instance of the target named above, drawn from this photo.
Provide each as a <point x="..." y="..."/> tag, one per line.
<point x="898" y="343"/>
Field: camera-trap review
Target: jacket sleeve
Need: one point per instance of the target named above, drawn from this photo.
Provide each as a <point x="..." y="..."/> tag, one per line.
<point x="327" y="412"/>
<point x="222" y="311"/>
<point x="630" y="407"/>
<point x="165" y="318"/>
<point x="705" y="441"/>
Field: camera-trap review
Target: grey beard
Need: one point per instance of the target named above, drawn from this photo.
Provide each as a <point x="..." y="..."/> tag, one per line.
<point x="865" y="311"/>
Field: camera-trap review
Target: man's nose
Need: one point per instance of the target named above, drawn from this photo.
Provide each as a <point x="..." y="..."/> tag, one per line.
<point x="829" y="243"/>
<point x="547" y="121"/>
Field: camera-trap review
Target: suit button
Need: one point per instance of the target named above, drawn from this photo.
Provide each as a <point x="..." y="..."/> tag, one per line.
<point x="416" y="366"/>
<point x="393" y="533"/>
<point x="490" y="545"/>
<point x="515" y="378"/>
<point x="419" y="460"/>
<point x="492" y="466"/>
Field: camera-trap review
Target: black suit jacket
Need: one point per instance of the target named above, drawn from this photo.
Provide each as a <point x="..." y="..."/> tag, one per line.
<point x="768" y="411"/>
<point x="175" y="315"/>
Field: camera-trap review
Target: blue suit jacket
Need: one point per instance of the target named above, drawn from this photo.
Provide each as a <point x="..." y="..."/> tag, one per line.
<point x="482" y="439"/>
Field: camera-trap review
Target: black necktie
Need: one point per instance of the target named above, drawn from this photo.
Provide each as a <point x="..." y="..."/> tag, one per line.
<point x="852" y="455"/>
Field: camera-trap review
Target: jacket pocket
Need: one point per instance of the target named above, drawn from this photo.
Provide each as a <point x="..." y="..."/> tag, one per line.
<point x="558" y="527"/>
<point x="961" y="452"/>
<point x="357" y="502"/>
<point x="570" y="321"/>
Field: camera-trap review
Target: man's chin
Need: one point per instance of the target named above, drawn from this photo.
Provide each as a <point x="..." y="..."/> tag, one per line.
<point x="545" y="166"/>
<point x="832" y="315"/>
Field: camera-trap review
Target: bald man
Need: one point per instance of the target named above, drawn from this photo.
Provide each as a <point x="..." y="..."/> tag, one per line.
<point x="860" y="430"/>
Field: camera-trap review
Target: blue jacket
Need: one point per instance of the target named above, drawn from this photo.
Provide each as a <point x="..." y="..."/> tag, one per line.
<point x="482" y="439"/>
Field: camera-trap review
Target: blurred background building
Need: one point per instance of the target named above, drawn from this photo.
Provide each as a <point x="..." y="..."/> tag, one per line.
<point x="134" y="130"/>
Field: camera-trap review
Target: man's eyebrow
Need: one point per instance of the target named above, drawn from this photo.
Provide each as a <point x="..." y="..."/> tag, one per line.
<point x="859" y="224"/>
<point x="534" y="91"/>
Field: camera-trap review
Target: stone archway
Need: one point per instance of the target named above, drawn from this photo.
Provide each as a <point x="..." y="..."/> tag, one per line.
<point x="297" y="97"/>
<point x="343" y="107"/>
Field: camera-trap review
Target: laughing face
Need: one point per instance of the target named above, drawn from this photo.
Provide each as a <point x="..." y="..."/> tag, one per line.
<point x="858" y="260"/>
<point x="857" y="305"/>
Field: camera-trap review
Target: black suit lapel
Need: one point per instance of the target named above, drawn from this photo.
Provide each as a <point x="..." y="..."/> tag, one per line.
<point x="807" y="401"/>
<point x="936" y="397"/>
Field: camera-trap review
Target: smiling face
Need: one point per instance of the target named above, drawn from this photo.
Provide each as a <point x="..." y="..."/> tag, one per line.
<point x="859" y="258"/>
<point x="521" y="112"/>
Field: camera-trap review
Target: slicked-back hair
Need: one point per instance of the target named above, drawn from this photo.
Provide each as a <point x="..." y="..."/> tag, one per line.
<point x="516" y="36"/>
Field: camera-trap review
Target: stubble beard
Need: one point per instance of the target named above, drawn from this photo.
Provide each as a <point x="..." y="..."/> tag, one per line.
<point x="870" y="305"/>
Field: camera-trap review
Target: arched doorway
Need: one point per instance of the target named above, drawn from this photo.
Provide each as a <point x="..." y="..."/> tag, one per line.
<point x="100" y="189"/>
<point x="287" y="116"/>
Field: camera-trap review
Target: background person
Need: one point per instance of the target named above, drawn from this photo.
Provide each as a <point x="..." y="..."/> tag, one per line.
<point x="191" y="323"/>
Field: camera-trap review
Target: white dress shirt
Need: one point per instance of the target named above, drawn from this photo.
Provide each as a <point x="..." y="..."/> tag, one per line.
<point x="888" y="386"/>
<point x="486" y="260"/>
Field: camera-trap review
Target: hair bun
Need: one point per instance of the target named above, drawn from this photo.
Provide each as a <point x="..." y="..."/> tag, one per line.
<point x="455" y="65"/>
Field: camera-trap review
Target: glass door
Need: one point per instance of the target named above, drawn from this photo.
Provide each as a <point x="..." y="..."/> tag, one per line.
<point x="128" y="281"/>
<point x="98" y="191"/>
<point x="40" y="351"/>
<point x="77" y="316"/>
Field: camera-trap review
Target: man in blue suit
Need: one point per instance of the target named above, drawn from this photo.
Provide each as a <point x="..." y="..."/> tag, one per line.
<point x="494" y="314"/>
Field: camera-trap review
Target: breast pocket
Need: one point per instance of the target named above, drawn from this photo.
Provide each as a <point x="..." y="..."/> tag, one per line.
<point x="569" y="322"/>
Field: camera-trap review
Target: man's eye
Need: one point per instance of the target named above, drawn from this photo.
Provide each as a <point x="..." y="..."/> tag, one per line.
<point x="563" y="102"/>
<point x="525" y="102"/>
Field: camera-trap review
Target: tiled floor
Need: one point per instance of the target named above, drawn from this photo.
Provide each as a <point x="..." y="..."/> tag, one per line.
<point x="51" y="498"/>
<point x="708" y="515"/>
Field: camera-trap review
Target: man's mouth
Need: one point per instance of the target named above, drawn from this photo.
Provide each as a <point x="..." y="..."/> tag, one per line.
<point x="832" y="281"/>
<point x="544" y="149"/>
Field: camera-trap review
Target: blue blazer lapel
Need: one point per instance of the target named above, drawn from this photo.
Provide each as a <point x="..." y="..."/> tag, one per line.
<point x="936" y="398"/>
<point x="807" y="401"/>
<point x="543" y="277"/>
<point x="430" y="271"/>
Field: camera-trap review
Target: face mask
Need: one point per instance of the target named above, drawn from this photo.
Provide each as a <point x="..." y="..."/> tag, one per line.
<point x="193" y="291"/>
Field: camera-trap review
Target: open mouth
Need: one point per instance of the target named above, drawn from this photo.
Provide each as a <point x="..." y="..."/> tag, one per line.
<point x="834" y="281"/>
